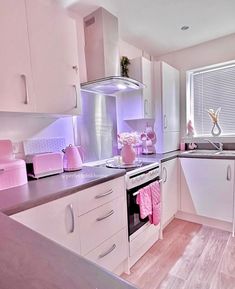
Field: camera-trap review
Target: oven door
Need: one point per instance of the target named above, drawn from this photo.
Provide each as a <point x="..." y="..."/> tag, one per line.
<point x="134" y="220"/>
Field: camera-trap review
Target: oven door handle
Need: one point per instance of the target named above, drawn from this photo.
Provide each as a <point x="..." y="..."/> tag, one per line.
<point x="136" y="193"/>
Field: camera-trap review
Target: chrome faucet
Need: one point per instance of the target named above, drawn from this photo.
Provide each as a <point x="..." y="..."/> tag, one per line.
<point x="219" y="147"/>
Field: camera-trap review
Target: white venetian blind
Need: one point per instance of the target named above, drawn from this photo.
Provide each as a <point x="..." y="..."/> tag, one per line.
<point x="214" y="88"/>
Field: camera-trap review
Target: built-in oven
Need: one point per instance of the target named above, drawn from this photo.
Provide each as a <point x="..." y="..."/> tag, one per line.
<point x="135" y="181"/>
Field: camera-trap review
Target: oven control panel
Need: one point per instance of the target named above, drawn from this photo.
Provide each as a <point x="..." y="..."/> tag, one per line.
<point x="143" y="177"/>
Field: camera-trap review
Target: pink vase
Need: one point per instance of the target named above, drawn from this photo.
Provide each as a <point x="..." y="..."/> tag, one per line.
<point x="128" y="154"/>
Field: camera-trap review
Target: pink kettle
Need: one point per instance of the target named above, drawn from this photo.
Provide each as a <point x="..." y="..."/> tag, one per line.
<point x="72" y="159"/>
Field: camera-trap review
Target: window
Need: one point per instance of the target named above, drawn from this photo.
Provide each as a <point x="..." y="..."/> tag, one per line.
<point x="212" y="87"/>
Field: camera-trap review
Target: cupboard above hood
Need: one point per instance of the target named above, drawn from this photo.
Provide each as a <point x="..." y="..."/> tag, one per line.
<point x="102" y="55"/>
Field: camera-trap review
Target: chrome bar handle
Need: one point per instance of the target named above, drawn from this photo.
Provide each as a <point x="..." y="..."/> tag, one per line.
<point x="70" y="207"/>
<point x="106" y="216"/>
<point x="108" y="251"/>
<point x="145" y="107"/>
<point x="76" y="96"/>
<point x="109" y="192"/>
<point x="165" y="174"/>
<point x="229" y="173"/>
<point x="165" y="121"/>
<point x="24" y="77"/>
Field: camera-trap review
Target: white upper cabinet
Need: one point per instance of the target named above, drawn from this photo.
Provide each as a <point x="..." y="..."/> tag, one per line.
<point x="16" y="92"/>
<point x="54" y="57"/>
<point x="167" y="106"/>
<point x="170" y="98"/>
<point x="138" y="104"/>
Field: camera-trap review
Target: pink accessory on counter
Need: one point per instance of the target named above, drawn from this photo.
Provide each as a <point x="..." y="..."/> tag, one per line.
<point x="190" y="128"/>
<point x="156" y="203"/>
<point x="144" y="200"/>
<point x="12" y="171"/>
<point x="72" y="159"/>
<point x="128" y="154"/>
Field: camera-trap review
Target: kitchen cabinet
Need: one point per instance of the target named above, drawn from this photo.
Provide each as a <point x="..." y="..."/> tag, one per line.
<point x="167" y="106"/>
<point x="139" y="101"/>
<point x="54" y="58"/>
<point x="16" y="88"/>
<point x="169" y="190"/>
<point x="91" y="222"/>
<point x="56" y="220"/>
<point x="207" y="187"/>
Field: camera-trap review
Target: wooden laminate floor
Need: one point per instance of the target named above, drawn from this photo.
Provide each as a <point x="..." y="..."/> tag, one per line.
<point x="190" y="256"/>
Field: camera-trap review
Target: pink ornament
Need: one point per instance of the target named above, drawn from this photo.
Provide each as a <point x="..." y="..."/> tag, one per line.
<point x="128" y="154"/>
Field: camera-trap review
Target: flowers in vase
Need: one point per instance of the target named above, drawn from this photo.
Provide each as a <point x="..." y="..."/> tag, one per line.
<point x="128" y="138"/>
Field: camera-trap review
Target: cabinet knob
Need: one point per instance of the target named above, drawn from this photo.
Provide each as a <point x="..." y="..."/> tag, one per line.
<point x="75" y="67"/>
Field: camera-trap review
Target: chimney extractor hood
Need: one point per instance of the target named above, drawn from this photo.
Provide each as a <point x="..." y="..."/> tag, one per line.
<point x="102" y="55"/>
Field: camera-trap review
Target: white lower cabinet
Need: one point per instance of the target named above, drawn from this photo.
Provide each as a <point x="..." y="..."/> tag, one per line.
<point x="207" y="187"/>
<point x="97" y="231"/>
<point x="55" y="220"/>
<point x="169" y="190"/>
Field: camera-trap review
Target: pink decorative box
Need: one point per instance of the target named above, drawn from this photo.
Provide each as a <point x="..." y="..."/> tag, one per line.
<point x="12" y="173"/>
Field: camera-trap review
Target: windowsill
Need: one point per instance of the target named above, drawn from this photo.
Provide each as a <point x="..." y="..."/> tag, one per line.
<point x="201" y="139"/>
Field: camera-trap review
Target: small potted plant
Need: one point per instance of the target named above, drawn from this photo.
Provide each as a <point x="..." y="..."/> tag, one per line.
<point x="125" y="62"/>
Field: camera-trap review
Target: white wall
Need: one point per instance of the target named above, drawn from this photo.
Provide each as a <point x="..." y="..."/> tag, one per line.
<point x="211" y="52"/>
<point x="18" y="128"/>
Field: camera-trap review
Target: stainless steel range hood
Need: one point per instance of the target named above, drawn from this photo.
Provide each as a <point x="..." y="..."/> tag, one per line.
<point x="102" y="55"/>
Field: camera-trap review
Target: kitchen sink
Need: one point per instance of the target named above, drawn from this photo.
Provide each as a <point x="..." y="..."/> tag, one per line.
<point x="209" y="153"/>
<point x="226" y="153"/>
<point x="200" y="152"/>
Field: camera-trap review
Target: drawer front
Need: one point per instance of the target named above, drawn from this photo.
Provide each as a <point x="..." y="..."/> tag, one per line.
<point x="55" y="220"/>
<point x="112" y="252"/>
<point x="96" y="196"/>
<point x="102" y="223"/>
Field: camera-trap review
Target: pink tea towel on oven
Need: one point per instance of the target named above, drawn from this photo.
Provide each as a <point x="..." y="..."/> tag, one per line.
<point x="144" y="200"/>
<point x="156" y="203"/>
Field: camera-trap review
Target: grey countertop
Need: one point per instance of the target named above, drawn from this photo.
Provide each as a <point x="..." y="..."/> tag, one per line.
<point x="159" y="157"/>
<point x="38" y="192"/>
<point x="31" y="261"/>
<point x="28" y="260"/>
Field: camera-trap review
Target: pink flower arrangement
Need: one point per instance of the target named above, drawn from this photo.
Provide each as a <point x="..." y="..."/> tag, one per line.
<point x="126" y="138"/>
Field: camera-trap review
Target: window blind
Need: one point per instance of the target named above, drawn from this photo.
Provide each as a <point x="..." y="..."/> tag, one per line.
<point x="213" y="89"/>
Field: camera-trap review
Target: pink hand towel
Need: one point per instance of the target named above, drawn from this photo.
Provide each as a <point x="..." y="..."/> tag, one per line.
<point x="156" y="203"/>
<point x="144" y="200"/>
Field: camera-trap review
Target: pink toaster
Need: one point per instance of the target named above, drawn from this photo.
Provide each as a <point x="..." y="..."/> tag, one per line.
<point x="44" y="164"/>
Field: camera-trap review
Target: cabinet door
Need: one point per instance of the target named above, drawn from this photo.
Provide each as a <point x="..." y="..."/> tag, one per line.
<point x="170" y="190"/>
<point x="16" y="92"/>
<point x="147" y="91"/>
<point x="56" y="220"/>
<point x="54" y="54"/>
<point x="141" y="100"/>
<point x="170" y="98"/>
<point x="207" y="187"/>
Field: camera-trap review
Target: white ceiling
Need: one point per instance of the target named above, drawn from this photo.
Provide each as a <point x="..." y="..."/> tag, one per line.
<point x="154" y="25"/>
